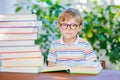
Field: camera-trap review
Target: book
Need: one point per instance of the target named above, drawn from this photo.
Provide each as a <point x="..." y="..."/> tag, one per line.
<point x="17" y="30"/>
<point x="18" y="17"/>
<point x="81" y="68"/>
<point x="33" y="61"/>
<point x="7" y="43"/>
<point x="19" y="24"/>
<point x="19" y="49"/>
<point x="35" y="69"/>
<point x="18" y="36"/>
<point x="20" y="55"/>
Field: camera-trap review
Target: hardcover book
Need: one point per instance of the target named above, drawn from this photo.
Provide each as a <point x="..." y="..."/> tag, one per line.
<point x="17" y="17"/>
<point x="18" y="55"/>
<point x="36" y="69"/>
<point x="17" y="30"/>
<point x="19" y="24"/>
<point x="33" y="61"/>
<point x="19" y="49"/>
<point x="8" y="43"/>
<point x="19" y="36"/>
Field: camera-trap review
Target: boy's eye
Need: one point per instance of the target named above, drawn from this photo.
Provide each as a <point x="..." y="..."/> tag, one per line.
<point x="64" y="25"/>
<point x="73" y="25"/>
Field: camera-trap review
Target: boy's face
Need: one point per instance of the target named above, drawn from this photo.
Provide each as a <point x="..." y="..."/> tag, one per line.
<point x="70" y="28"/>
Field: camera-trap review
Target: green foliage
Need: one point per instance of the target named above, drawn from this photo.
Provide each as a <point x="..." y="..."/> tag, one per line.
<point x="103" y="25"/>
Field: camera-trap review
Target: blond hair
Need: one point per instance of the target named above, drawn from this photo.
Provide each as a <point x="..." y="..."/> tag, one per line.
<point x="70" y="13"/>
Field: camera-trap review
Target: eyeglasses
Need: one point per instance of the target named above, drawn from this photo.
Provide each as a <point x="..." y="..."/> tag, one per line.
<point x="65" y="26"/>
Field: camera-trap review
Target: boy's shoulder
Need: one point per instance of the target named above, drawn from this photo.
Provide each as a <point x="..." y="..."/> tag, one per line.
<point x="81" y="40"/>
<point x="56" y="42"/>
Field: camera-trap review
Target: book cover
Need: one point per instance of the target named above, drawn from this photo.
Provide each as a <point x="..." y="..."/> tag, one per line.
<point x="55" y="67"/>
<point x="21" y="54"/>
<point x="86" y="68"/>
<point x="18" y="17"/>
<point x="18" y="36"/>
<point x="81" y="68"/>
<point x="8" y="43"/>
<point x="18" y="30"/>
<point x="19" y="49"/>
<point x="19" y="24"/>
<point x="29" y="69"/>
<point x="31" y="61"/>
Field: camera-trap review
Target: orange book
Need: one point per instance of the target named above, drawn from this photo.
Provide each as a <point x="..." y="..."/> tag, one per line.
<point x="26" y="54"/>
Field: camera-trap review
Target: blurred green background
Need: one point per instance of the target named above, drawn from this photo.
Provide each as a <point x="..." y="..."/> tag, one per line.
<point x="101" y="25"/>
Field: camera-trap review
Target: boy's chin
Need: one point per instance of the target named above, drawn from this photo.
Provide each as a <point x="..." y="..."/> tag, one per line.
<point x="68" y="37"/>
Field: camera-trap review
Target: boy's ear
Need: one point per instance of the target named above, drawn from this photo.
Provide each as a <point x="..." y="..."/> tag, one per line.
<point x="58" y="25"/>
<point x="81" y="26"/>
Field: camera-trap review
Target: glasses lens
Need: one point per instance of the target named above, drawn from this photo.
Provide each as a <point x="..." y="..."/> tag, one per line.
<point x="64" y="25"/>
<point x="73" y="26"/>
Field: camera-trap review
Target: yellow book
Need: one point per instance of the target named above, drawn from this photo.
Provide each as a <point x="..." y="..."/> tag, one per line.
<point x="14" y="55"/>
<point x="81" y="68"/>
<point x="28" y="69"/>
<point x="35" y="61"/>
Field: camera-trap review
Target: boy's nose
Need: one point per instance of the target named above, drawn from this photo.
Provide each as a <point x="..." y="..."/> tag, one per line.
<point x="68" y="28"/>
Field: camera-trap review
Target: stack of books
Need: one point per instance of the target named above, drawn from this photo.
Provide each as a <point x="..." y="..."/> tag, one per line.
<point x="18" y="52"/>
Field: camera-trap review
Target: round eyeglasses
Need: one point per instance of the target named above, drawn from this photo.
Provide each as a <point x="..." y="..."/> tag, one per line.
<point x="65" y="26"/>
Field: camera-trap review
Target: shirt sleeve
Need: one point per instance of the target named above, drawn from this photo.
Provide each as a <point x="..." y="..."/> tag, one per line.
<point x="90" y="53"/>
<point x="52" y="53"/>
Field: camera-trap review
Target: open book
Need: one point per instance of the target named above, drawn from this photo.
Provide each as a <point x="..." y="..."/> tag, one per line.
<point x="82" y="68"/>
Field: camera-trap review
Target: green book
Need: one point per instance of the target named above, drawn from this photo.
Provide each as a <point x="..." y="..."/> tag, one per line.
<point x="83" y="67"/>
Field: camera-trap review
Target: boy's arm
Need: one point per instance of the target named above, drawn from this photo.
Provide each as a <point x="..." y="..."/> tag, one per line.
<point x="90" y="53"/>
<point x="51" y="62"/>
<point x="52" y="55"/>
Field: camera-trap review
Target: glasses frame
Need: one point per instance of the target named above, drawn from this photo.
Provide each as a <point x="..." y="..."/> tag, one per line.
<point x="69" y="26"/>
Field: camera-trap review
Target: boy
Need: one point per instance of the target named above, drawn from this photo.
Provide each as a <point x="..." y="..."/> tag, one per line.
<point x="70" y="48"/>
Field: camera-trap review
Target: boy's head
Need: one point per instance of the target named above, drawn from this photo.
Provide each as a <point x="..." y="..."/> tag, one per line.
<point x="70" y="22"/>
<point x="70" y="13"/>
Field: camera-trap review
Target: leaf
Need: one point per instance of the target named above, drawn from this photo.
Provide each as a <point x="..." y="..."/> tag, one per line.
<point x="18" y="9"/>
<point x="40" y="0"/>
<point x="89" y="34"/>
<point x="49" y="2"/>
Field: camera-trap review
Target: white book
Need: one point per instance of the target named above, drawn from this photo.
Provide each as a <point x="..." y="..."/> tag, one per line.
<point x="20" y="23"/>
<point x="21" y="55"/>
<point x="21" y="69"/>
<point x="33" y="61"/>
<point x="16" y="43"/>
<point x="17" y="17"/>
<point x="19" y="36"/>
<point x="19" y="49"/>
<point x="18" y="30"/>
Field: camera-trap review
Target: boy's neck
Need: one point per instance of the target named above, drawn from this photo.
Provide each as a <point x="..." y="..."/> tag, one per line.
<point x="69" y="41"/>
